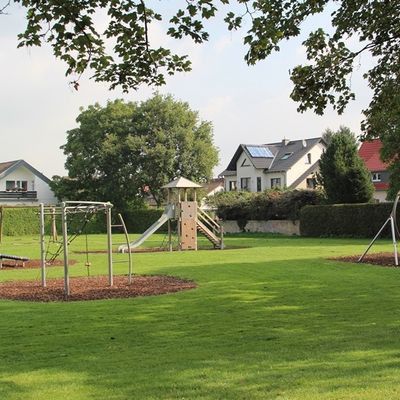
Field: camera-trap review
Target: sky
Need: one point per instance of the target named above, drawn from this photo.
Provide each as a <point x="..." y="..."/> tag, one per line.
<point x="245" y="104"/>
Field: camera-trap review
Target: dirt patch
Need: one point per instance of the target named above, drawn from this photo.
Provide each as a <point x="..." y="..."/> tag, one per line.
<point x="11" y="264"/>
<point x="383" y="259"/>
<point x="94" y="288"/>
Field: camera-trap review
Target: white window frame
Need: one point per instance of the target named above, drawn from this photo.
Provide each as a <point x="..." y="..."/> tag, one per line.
<point x="376" y="177"/>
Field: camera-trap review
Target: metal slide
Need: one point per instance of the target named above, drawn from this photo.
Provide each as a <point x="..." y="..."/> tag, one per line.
<point x="168" y="213"/>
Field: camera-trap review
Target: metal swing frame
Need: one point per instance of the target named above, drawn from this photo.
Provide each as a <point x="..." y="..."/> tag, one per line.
<point x="67" y="208"/>
<point x="394" y="229"/>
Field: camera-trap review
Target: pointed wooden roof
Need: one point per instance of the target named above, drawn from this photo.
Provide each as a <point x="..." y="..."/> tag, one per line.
<point x="181" y="183"/>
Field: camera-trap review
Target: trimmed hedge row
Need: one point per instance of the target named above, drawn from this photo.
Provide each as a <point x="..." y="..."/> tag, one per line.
<point x="20" y="221"/>
<point x="25" y="221"/>
<point x="137" y="221"/>
<point x="345" y="220"/>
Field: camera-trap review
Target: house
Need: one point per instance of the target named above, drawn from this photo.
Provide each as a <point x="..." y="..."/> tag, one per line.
<point x="214" y="186"/>
<point x="21" y="184"/>
<point x="370" y="153"/>
<point x="287" y="164"/>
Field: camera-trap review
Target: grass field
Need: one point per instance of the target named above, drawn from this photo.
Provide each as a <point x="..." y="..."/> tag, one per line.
<point x="274" y="319"/>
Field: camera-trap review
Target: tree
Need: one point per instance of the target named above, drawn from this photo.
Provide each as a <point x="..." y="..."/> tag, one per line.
<point x="383" y="121"/>
<point x="343" y="173"/>
<point x="68" y="26"/>
<point x="123" y="150"/>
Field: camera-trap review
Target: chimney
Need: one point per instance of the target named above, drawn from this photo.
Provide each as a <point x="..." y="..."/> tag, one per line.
<point x="304" y="143"/>
<point x="285" y="142"/>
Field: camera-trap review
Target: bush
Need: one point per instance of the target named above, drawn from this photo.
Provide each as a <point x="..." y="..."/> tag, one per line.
<point x="268" y="205"/>
<point x="346" y="220"/>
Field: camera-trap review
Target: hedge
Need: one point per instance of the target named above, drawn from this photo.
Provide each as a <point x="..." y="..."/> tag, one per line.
<point x="345" y="220"/>
<point x="25" y="221"/>
<point x="20" y="221"/>
<point x="137" y="221"/>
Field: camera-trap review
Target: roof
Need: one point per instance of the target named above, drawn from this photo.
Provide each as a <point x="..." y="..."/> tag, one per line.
<point x="305" y="175"/>
<point x="9" y="166"/>
<point x="370" y="153"/>
<point x="181" y="183"/>
<point x="213" y="184"/>
<point x="296" y="148"/>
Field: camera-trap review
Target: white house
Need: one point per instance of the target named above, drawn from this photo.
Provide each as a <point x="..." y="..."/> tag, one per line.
<point x="287" y="164"/>
<point x="21" y="184"/>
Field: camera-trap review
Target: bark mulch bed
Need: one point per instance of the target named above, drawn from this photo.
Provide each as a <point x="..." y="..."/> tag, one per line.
<point x="383" y="259"/>
<point x="94" y="288"/>
<point x="10" y="264"/>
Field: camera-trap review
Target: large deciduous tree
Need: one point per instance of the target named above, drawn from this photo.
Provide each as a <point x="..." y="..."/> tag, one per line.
<point x="343" y="173"/>
<point x="132" y="59"/>
<point x="122" y="151"/>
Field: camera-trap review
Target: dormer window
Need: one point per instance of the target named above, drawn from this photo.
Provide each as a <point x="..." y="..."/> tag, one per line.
<point x="286" y="156"/>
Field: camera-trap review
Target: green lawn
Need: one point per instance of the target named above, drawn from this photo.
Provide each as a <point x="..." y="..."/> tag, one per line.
<point x="274" y="319"/>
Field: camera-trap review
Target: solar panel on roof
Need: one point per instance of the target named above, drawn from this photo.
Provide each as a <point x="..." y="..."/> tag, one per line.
<point x="258" y="151"/>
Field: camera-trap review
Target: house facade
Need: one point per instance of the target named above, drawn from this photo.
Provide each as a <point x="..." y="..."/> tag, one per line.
<point x="22" y="184"/>
<point x="370" y="153"/>
<point x="287" y="164"/>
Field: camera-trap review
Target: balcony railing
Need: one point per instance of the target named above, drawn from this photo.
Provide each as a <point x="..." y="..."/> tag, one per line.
<point x="16" y="195"/>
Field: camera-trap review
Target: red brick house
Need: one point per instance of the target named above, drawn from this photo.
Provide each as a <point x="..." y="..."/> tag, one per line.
<point x="370" y="153"/>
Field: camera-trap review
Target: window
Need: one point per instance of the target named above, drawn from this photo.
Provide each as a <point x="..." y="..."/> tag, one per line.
<point x="376" y="177"/>
<point x="275" y="183"/>
<point x="308" y="158"/>
<point x="245" y="183"/>
<point x="10" y="185"/>
<point x="232" y="186"/>
<point x="258" y="184"/>
<point x="21" y="186"/>
<point x="311" y="183"/>
<point x="286" y="156"/>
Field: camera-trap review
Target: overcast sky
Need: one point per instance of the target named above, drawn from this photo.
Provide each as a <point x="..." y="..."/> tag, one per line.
<point x="245" y="104"/>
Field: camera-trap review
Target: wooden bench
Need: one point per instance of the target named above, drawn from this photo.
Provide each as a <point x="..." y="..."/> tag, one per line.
<point x="14" y="258"/>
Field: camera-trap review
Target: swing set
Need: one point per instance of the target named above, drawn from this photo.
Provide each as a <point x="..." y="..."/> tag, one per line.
<point x="67" y="209"/>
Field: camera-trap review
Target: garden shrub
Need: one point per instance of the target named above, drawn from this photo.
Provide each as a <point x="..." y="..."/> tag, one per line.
<point x="268" y="205"/>
<point x="346" y="220"/>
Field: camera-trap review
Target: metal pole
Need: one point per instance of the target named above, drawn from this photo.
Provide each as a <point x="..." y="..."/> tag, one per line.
<point x="1" y="224"/>
<point x="109" y="244"/>
<point x="373" y="240"/>
<point x="169" y="236"/>
<point x="53" y="224"/>
<point x="65" y="248"/>
<point x="128" y="245"/>
<point x="42" y="246"/>
<point x="396" y="261"/>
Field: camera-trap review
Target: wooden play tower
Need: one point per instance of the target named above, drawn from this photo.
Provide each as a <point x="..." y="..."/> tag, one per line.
<point x="182" y="194"/>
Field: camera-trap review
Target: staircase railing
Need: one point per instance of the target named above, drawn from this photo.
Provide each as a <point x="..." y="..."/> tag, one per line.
<point x="213" y="226"/>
